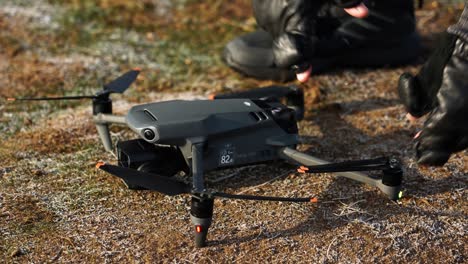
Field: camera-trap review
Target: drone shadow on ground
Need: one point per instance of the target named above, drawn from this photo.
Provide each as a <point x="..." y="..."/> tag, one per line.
<point x="325" y="217"/>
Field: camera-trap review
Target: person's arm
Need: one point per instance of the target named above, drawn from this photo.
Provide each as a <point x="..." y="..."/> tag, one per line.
<point x="440" y="90"/>
<point x="461" y="27"/>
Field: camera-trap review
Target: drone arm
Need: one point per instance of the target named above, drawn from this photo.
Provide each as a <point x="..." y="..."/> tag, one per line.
<point x="109" y="119"/>
<point x="304" y="159"/>
<point x="390" y="183"/>
<point x="102" y="125"/>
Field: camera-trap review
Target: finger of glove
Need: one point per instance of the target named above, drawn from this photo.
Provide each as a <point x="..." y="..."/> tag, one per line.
<point x="444" y="132"/>
<point x="290" y="49"/>
<point x="428" y="151"/>
<point x="441" y="133"/>
<point x="412" y="95"/>
<point x="433" y="158"/>
<point x="435" y="143"/>
<point x="347" y="3"/>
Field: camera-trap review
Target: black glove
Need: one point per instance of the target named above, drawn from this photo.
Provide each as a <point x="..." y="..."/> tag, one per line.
<point x="346" y="3"/>
<point x="441" y="88"/>
<point x="292" y="25"/>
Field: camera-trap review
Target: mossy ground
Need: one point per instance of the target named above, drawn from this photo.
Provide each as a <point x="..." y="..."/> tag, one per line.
<point x="56" y="207"/>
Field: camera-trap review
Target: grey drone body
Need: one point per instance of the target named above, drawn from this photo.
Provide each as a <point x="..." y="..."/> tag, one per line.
<point x="206" y="135"/>
<point x="223" y="127"/>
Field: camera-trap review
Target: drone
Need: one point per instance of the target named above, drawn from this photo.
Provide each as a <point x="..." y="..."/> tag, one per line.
<point x="226" y="131"/>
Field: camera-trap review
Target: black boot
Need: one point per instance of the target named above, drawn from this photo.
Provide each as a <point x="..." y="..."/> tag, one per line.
<point x="386" y="37"/>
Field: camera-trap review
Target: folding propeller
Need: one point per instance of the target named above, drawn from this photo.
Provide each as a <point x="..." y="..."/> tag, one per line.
<point x="171" y="187"/>
<point x="150" y="181"/>
<point x="121" y="84"/>
<point x="118" y="85"/>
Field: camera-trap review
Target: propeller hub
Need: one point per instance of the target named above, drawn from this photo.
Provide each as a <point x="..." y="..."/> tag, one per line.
<point x="102" y="105"/>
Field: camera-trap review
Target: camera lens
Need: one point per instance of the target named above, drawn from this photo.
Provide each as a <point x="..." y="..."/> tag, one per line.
<point x="148" y="134"/>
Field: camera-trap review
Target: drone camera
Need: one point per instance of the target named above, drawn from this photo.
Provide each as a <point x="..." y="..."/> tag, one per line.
<point x="149" y="134"/>
<point x="146" y="157"/>
<point x="135" y="153"/>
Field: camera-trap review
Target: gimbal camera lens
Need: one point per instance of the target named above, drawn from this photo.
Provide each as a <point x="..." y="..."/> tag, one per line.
<point x="148" y="134"/>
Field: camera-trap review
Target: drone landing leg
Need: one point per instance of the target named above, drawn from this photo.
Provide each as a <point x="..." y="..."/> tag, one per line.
<point x="201" y="213"/>
<point x="201" y="210"/>
<point x="197" y="168"/>
<point x="103" y="131"/>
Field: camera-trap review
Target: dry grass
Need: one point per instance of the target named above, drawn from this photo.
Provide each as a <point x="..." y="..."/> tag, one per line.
<point x="55" y="207"/>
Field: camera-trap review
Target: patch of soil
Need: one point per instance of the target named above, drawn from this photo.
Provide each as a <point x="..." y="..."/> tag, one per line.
<point x="55" y="139"/>
<point x="23" y="211"/>
<point x="31" y="76"/>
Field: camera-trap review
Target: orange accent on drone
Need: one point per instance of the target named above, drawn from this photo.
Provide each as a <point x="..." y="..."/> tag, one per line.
<point x="137" y="69"/>
<point x="100" y="164"/>
<point x="303" y="169"/>
<point x="314" y="200"/>
<point x="211" y="96"/>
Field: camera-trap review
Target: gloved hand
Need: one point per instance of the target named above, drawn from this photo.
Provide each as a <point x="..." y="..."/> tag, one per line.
<point x="292" y="25"/>
<point x="441" y="89"/>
